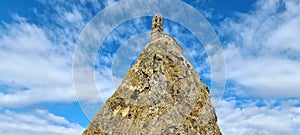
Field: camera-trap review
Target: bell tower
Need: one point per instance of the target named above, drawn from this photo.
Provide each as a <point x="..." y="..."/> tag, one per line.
<point x="157" y="27"/>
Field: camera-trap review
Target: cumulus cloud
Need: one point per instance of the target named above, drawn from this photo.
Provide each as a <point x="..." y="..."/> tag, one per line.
<point x="36" y="60"/>
<point x="262" y="48"/>
<point x="30" y="60"/>
<point x="37" y="122"/>
<point x="245" y="117"/>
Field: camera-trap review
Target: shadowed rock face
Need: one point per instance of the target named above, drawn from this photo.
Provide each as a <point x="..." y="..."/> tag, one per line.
<point x="160" y="94"/>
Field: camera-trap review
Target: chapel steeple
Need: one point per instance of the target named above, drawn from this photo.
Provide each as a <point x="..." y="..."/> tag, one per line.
<point x="157" y="23"/>
<point x="157" y="26"/>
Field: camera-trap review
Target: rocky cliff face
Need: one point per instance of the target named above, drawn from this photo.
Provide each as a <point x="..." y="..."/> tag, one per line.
<point x="160" y="94"/>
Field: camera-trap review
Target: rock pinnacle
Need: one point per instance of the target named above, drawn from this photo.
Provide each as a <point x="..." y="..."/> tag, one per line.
<point x="160" y="94"/>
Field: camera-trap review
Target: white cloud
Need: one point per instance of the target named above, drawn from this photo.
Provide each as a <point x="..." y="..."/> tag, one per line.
<point x="249" y="119"/>
<point x="262" y="50"/>
<point x="29" y="59"/>
<point x="37" y="56"/>
<point x="37" y="123"/>
<point x="34" y="95"/>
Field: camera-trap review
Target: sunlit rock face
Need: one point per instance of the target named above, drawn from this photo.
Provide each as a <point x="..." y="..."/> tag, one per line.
<point x="160" y="94"/>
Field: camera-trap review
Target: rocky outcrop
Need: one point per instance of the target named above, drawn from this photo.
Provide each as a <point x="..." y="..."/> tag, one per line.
<point x="160" y="94"/>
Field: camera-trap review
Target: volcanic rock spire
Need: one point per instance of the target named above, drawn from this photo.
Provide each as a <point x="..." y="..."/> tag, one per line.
<point x="160" y="94"/>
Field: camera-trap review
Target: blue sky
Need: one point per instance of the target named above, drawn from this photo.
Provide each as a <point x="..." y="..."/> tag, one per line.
<point x="260" y="41"/>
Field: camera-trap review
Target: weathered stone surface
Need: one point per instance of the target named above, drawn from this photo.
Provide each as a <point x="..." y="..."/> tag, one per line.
<point x="160" y="94"/>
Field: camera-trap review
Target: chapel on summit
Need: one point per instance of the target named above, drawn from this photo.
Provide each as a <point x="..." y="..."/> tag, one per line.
<point x="160" y="94"/>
